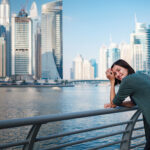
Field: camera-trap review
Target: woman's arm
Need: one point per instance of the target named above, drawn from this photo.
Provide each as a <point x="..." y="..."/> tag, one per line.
<point x="112" y="93"/>
<point x="111" y="77"/>
<point x="128" y="104"/>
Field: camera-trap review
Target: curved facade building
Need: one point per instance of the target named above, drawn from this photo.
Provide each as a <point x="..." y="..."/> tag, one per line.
<point x="51" y="34"/>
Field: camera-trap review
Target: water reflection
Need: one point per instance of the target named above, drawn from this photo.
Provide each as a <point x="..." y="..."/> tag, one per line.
<point x="27" y="102"/>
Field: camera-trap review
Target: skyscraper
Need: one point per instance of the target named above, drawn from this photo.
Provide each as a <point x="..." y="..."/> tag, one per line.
<point x="95" y="65"/>
<point x="35" y="21"/>
<point x="78" y="67"/>
<point x="103" y="62"/>
<point x="51" y="35"/>
<point x="88" y="70"/>
<point x="126" y="52"/>
<point x="21" y="45"/>
<point x="5" y="21"/>
<point x="38" y="53"/>
<point x="2" y="57"/>
<point x="113" y="54"/>
<point x="140" y="43"/>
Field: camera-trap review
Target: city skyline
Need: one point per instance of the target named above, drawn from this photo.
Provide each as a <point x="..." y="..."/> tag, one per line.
<point x="89" y="24"/>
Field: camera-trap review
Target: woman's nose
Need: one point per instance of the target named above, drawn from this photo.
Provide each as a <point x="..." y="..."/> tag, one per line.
<point x="117" y="75"/>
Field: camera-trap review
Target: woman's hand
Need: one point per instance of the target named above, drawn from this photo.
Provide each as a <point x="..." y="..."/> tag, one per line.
<point x="109" y="105"/>
<point x="110" y="75"/>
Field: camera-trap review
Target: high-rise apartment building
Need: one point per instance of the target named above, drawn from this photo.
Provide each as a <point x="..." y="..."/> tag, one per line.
<point x="95" y="65"/>
<point x="38" y="53"/>
<point x="113" y="54"/>
<point x="5" y="22"/>
<point x="35" y="21"/>
<point x="2" y="57"/>
<point x="82" y="69"/>
<point x="126" y="52"/>
<point x="21" y="45"/>
<point x="88" y="70"/>
<point x="103" y="62"/>
<point x="108" y="55"/>
<point x="51" y="36"/>
<point x="140" y="43"/>
<point x="78" y="67"/>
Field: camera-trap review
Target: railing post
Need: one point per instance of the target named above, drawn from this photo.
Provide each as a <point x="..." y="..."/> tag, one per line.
<point x="31" y="137"/>
<point x="129" y="129"/>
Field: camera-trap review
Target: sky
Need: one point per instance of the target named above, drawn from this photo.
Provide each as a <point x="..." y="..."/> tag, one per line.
<point x="89" y="24"/>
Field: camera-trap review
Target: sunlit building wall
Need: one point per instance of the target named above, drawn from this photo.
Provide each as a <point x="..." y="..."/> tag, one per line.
<point x="95" y="65"/>
<point x="51" y="34"/>
<point x="5" y="21"/>
<point x="126" y="52"/>
<point x="88" y="70"/>
<point x="103" y="62"/>
<point x="78" y="68"/>
<point x="2" y="57"/>
<point x="35" y="20"/>
<point x="38" y="53"/>
<point x="113" y="54"/>
<point x="21" y="45"/>
<point x="140" y="42"/>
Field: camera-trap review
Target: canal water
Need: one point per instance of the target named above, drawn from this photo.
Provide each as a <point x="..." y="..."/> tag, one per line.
<point x="28" y="102"/>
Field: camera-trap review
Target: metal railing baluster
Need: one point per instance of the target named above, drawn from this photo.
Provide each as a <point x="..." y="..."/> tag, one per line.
<point x="31" y="137"/>
<point x="127" y="135"/>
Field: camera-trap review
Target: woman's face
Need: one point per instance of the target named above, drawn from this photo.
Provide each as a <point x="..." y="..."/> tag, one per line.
<point x="119" y="72"/>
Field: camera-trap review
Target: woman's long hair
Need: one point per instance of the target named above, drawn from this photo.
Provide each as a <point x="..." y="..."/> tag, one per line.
<point x="125" y="65"/>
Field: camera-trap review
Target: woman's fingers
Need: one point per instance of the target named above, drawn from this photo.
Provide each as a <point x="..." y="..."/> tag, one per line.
<point x="107" y="105"/>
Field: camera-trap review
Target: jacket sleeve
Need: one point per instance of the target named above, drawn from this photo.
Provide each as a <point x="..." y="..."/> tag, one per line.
<point x="124" y="91"/>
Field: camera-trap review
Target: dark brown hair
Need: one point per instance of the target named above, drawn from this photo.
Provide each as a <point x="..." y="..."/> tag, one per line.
<point x="125" y="65"/>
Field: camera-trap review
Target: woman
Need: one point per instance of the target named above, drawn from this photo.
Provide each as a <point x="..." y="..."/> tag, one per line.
<point x="135" y="85"/>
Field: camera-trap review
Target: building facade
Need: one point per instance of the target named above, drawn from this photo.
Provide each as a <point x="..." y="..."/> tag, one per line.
<point x="140" y="43"/>
<point x="95" y="66"/>
<point x="2" y="57"/>
<point x="52" y="43"/>
<point x="88" y="70"/>
<point x="78" y="68"/>
<point x="103" y="62"/>
<point x="38" y="53"/>
<point x="113" y="54"/>
<point x="21" y="46"/>
<point x="35" y="22"/>
<point x="5" y="21"/>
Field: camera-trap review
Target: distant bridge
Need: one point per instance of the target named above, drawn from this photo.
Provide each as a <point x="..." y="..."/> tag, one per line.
<point x="88" y="81"/>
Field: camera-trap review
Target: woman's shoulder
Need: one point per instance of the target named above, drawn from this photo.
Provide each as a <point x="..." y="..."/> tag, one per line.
<point x="136" y="77"/>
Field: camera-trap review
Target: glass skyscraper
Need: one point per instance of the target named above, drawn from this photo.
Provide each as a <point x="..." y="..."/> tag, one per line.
<point x="21" y="45"/>
<point x="140" y="42"/>
<point x="51" y="36"/>
<point x="5" y="22"/>
<point x="2" y="57"/>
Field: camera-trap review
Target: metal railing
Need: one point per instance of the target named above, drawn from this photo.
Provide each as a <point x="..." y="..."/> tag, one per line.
<point x="36" y="122"/>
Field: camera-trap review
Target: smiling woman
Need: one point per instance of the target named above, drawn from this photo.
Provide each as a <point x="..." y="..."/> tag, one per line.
<point x="135" y="85"/>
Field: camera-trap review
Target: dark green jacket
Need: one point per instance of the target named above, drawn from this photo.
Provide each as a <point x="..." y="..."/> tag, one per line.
<point x="137" y="86"/>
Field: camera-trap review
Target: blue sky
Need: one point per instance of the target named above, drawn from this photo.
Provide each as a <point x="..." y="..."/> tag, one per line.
<point x="88" y="24"/>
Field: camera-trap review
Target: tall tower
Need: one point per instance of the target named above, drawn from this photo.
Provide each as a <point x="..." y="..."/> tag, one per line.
<point x="35" y="20"/>
<point x="52" y="42"/>
<point x="140" y="42"/>
<point x="2" y="57"/>
<point x="5" y="21"/>
<point x="103" y="62"/>
<point x="78" y="67"/>
<point x="21" y="46"/>
<point x="113" y="54"/>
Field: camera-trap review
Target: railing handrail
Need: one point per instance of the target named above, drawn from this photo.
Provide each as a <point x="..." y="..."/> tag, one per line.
<point x="43" y="119"/>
